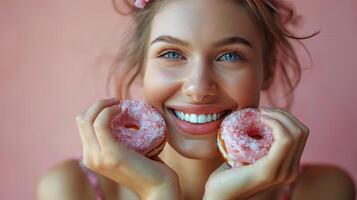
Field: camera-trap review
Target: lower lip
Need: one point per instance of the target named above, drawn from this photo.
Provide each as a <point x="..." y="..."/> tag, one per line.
<point x="198" y="129"/>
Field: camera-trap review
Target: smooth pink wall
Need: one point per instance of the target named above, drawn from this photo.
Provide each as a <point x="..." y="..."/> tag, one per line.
<point x="54" y="61"/>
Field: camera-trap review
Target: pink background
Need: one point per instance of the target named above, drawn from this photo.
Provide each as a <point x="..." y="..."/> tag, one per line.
<point x="54" y="61"/>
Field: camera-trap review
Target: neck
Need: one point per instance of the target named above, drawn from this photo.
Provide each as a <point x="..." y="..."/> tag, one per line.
<point x="192" y="173"/>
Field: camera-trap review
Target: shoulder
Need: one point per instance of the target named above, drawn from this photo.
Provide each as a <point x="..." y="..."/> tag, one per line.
<point x="324" y="182"/>
<point x="65" y="180"/>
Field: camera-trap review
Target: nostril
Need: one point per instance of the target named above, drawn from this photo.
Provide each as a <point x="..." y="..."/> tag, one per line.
<point x="200" y="88"/>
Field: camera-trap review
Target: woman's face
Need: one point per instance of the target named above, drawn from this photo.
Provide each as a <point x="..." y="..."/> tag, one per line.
<point x="204" y="59"/>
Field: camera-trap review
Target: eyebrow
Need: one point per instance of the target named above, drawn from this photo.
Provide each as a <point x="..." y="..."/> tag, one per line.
<point x="225" y="41"/>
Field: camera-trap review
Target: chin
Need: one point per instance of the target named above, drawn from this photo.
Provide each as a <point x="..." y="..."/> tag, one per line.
<point x="199" y="149"/>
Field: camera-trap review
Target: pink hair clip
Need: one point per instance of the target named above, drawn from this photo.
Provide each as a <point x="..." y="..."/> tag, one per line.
<point x="141" y="3"/>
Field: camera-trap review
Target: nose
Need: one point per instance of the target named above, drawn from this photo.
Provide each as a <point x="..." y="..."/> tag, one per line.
<point x="199" y="84"/>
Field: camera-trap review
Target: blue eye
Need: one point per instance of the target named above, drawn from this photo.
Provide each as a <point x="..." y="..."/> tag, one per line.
<point x="172" y="55"/>
<point x="231" y="57"/>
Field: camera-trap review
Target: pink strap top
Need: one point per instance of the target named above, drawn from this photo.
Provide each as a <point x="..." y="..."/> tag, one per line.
<point x="93" y="181"/>
<point x="92" y="178"/>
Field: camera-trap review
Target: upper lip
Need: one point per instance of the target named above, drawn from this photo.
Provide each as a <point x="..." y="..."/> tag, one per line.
<point x="201" y="109"/>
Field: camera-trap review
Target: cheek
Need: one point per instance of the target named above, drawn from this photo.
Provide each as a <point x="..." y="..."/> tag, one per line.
<point x="244" y="88"/>
<point x="158" y="86"/>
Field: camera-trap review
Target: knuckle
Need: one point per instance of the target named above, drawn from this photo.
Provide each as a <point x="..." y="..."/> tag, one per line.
<point x="280" y="179"/>
<point x="79" y="119"/>
<point x="286" y="145"/>
<point x="86" y="119"/>
<point x="111" y="162"/>
<point x="88" y="163"/>
<point x="98" y="124"/>
<point x="97" y="163"/>
<point x="306" y="130"/>
<point x="292" y="178"/>
<point x="279" y="125"/>
<point x="112" y="155"/>
<point x="102" y="120"/>
<point x="267" y="178"/>
<point x="297" y="134"/>
<point x="99" y="103"/>
<point x="103" y="114"/>
<point x="287" y="141"/>
<point x="296" y="131"/>
<point x="107" y="111"/>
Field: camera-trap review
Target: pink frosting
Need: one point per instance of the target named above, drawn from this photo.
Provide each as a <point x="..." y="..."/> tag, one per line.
<point x="246" y="138"/>
<point x="149" y="126"/>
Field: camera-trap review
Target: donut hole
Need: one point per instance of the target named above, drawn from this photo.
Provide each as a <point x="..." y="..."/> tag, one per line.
<point x="245" y="163"/>
<point x="254" y="132"/>
<point x="132" y="126"/>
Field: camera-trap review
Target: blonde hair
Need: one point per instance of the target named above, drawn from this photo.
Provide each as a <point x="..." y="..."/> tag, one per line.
<point x="273" y="17"/>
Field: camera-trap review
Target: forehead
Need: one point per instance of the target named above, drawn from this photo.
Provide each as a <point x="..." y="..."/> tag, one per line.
<point x="202" y="22"/>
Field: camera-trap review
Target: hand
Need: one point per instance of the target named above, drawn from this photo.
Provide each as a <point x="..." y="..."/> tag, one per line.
<point x="280" y="166"/>
<point x="151" y="179"/>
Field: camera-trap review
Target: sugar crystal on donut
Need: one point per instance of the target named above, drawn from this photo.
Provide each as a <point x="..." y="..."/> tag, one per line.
<point x="139" y="126"/>
<point x="243" y="138"/>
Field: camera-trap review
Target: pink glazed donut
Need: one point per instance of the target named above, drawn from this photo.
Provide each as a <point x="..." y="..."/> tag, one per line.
<point x="243" y="139"/>
<point x="140" y="127"/>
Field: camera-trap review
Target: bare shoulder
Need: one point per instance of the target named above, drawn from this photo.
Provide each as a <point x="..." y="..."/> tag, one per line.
<point x="65" y="180"/>
<point x="328" y="182"/>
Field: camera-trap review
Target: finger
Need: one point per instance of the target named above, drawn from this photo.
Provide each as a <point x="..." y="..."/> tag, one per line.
<point x="132" y="165"/>
<point x="284" y="112"/>
<point x="226" y="180"/>
<point x="94" y="110"/>
<point x="283" y="142"/>
<point x="221" y="168"/>
<point x="84" y="143"/>
<point x="116" y="155"/>
<point x="102" y="128"/>
<point x="268" y="167"/>
<point x="88" y="142"/>
<point x="296" y="162"/>
<point x="86" y="125"/>
<point x="295" y="131"/>
<point x="299" y="132"/>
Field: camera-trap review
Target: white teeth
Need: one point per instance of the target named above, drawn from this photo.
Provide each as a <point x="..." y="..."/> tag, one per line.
<point x="182" y="115"/>
<point x="209" y="118"/>
<point x="214" y="117"/>
<point x="198" y="118"/>
<point x="201" y="119"/>
<point x="187" y="117"/>
<point x="193" y="118"/>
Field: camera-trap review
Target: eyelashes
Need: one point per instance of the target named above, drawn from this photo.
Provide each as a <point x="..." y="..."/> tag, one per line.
<point x="173" y="55"/>
<point x="231" y="56"/>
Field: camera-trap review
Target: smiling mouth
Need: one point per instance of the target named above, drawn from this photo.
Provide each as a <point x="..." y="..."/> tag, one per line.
<point x="195" y="118"/>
